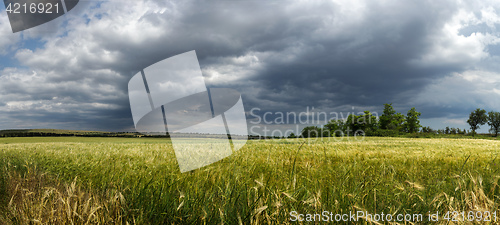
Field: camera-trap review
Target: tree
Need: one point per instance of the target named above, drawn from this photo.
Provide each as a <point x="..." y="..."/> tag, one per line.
<point x="311" y="131"/>
<point x="428" y="130"/>
<point x="477" y="118"/>
<point x="398" y="122"/>
<point x="390" y="120"/>
<point x="387" y="116"/>
<point x="494" y="122"/>
<point x="336" y="127"/>
<point x="412" y="122"/>
<point x="368" y="122"/>
<point x="365" y="123"/>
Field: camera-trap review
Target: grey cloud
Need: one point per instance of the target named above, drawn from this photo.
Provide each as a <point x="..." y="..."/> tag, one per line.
<point x="323" y="54"/>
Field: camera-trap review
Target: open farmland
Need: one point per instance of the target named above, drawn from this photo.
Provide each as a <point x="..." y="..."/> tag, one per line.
<point x="137" y="180"/>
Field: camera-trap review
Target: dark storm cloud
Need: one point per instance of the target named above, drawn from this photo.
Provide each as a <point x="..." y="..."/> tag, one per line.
<point x="371" y="67"/>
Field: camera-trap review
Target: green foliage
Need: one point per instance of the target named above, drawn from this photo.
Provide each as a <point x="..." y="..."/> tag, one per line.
<point x="368" y="122"/>
<point x="310" y="131"/>
<point x="394" y="124"/>
<point x="365" y="123"/>
<point x="313" y="132"/>
<point x="386" y="116"/>
<point x="384" y="133"/>
<point x="428" y="130"/>
<point x="494" y="122"/>
<point x="477" y="118"/>
<point x="336" y="125"/>
<point x="412" y="123"/>
<point x="391" y="120"/>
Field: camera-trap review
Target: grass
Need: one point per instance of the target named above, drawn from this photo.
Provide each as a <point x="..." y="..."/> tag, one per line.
<point x="36" y="198"/>
<point x="137" y="181"/>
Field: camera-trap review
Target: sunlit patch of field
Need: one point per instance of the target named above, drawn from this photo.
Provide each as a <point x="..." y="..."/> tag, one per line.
<point x="137" y="180"/>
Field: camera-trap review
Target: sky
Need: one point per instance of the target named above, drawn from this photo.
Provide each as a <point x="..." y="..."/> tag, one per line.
<point x="336" y="57"/>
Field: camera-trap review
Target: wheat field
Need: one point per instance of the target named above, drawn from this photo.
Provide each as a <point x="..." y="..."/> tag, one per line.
<point x="78" y="180"/>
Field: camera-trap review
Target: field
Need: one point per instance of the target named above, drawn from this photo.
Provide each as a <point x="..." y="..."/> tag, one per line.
<point x="80" y="180"/>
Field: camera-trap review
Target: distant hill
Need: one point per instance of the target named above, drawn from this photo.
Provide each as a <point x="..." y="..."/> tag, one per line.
<point x="56" y="133"/>
<point x="84" y="133"/>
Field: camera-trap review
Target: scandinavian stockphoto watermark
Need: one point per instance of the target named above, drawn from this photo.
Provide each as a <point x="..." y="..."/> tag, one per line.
<point x="478" y="216"/>
<point x="295" y="123"/>
<point x="357" y="216"/>
<point x="205" y="125"/>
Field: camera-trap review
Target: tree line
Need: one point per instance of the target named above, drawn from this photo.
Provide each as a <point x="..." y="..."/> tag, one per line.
<point x="479" y="117"/>
<point x="392" y="123"/>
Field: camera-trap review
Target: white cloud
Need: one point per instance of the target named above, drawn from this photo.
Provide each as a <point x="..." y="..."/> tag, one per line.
<point x="8" y="40"/>
<point x="470" y="89"/>
<point x="449" y="47"/>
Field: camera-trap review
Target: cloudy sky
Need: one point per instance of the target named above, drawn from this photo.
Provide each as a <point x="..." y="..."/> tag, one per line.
<point x="282" y="56"/>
